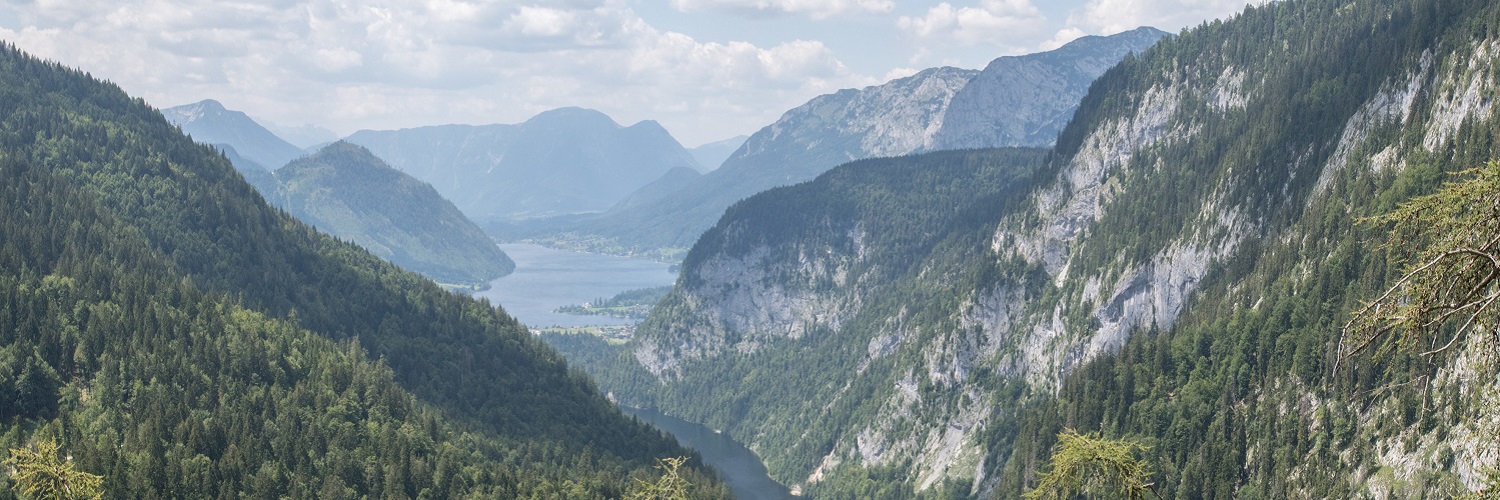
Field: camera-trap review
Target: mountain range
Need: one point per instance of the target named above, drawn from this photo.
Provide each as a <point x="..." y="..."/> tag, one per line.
<point x="1015" y="101"/>
<point x="564" y="161"/>
<point x="346" y="191"/>
<point x="1176" y="272"/>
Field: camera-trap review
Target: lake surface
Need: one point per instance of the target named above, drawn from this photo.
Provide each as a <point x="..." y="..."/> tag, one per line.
<point x="547" y="278"/>
<point x="736" y="464"/>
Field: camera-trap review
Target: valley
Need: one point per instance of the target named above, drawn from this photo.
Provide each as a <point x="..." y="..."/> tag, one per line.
<point x="1255" y="256"/>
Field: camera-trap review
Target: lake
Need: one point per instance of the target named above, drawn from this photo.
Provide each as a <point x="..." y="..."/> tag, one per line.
<point x="736" y="464"/>
<point x="548" y="278"/>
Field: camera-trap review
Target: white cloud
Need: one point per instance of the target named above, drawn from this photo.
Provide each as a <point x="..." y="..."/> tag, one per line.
<point x="898" y="73"/>
<point x="816" y="9"/>
<point x="992" y="22"/>
<point x="1108" y="17"/>
<point x="1062" y="38"/>
<point x="349" y="64"/>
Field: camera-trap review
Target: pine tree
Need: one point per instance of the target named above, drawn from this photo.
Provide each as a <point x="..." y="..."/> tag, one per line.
<point x="40" y="474"/>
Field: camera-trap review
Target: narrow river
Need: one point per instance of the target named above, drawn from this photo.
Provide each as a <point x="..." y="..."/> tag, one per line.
<point x="737" y="465"/>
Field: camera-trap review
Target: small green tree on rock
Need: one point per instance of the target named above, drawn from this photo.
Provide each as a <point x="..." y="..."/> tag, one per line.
<point x="1092" y="465"/>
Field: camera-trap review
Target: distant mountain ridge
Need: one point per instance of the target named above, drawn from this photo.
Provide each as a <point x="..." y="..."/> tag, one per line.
<point x="1026" y="100"/>
<point x="1021" y="100"/>
<point x="207" y="121"/>
<point x="713" y="154"/>
<point x="346" y="191"/>
<point x="563" y="161"/>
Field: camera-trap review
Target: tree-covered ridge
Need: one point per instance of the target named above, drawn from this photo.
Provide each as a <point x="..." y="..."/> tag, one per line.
<point x="347" y="192"/>
<point x="183" y="339"/>
<point x="1177" y="276"/>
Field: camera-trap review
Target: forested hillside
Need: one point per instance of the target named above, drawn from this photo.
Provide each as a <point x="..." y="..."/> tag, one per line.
<point x="349" y="193"/>
<point x="1176" y="274"/>
<point x="184" y="340"/>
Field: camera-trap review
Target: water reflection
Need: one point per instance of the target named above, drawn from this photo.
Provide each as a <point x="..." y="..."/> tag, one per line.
<point x="547" y="278"/>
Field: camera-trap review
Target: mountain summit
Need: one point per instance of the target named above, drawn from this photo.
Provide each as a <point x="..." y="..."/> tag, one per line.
<point x="183" y="339"/>
<point x="209" y="122"/>
<point x="1026" y="100"/>
<point x="1177" y="272"/>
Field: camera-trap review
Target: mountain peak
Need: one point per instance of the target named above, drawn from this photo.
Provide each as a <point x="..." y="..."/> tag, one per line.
<point x="344" y="148"/>
<point x="348" y="161"/>
<point x="208" y="121"/>
<point x="190" y="113"/>
<point x="572" y="117"/>
<point x="1025" y="100"/>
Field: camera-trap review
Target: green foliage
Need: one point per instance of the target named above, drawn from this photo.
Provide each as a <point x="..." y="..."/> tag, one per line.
<point x="670" y="486"/>
<point x="1093" y="466"/>
<point x="1450" y="241"/>
<point x="41" y="474"/>
<point x="627" y="304"/>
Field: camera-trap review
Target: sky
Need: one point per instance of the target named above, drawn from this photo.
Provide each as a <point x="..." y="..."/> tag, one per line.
<point x="705" y="69"/>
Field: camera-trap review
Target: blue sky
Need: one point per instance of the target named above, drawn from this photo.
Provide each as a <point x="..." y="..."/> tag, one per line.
<point x="705" y="69"/>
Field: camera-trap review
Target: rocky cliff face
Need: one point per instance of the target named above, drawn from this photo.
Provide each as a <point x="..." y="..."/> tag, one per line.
<point x="1178" y="165"/>
<point x="892" y="119"/>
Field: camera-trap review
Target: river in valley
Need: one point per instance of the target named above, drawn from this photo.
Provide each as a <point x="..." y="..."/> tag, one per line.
<point x="736" y="464"/>
<point x="546" y="279"/>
